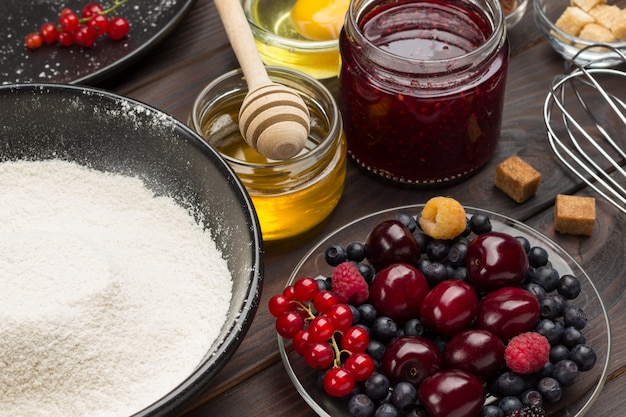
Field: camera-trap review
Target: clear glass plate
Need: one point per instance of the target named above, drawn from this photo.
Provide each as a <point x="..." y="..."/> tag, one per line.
<point x="577" y="398"/>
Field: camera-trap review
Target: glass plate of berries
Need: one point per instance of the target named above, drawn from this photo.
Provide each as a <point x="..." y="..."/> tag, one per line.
<point x="440" y="310"/>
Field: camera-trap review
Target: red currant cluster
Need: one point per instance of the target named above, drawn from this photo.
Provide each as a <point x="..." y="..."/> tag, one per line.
<point x="71" y="29"/>
<point x="322" y="332"/>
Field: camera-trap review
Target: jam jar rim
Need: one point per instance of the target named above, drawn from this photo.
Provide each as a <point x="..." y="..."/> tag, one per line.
<point x="386" y="59"/>
<point x="331" y="112"/>
<point x="272" y="39"/>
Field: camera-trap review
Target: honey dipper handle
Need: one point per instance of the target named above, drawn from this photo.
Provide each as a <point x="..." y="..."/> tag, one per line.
<point x="241" y="39"/>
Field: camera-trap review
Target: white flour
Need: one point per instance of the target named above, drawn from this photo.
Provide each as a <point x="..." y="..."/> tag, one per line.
<point x="109" y="296"/>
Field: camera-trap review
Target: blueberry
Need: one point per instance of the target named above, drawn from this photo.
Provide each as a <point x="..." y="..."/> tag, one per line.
<point x="460" y="273"/>
<point x="435" y="272"/>
<point x="558" y="353"/>
<point x="437" y="249"/>
<point x="572" y="337"/>
<point x="566" y="372"/>
<point x="423" y="263"/>
<point x="368" y="313"/>
<point x="552" y="330"/>
<point x="457" y="254"/>
<point x="384" y="328"/>
<point x="377" y="386"/>
<point x="416" y="412"/>
<point x="535" y="289"/>
<point x="510" y="384"/>
<point x="366" y="271"/>
<point x="532" y="397"/>
<point x="387" y="410"/>
<point x="376" y="349"/>
<point x="491" y="411"/>
<point x="361" y="405"/>
<point x="322" y="284"/>
<point x="356" y="315"/>
<point x="422" y="240"/>
<point x="509" y="404"/>
<point x="480" y="223"/>
<point x="575" y="317"/>
<point x="537" y="256"/>
<point x="549" y="308"/>
<point x="404" y="395"/>
<point x="414" y="327"/>
<point x="547" y="277"/>
<point x="545" y="371"/>
<point x="335" y="255"/>
<point x="524" y="242"/>
<point x="569" y="286"/>
<point x="407" y="220"/>
<point x="355" y="251"/>
<point x="550" y="389"/>
<point x="584" y="356"/>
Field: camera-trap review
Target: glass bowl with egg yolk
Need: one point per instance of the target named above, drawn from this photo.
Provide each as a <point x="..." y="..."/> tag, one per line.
<point x="298" y="34"/>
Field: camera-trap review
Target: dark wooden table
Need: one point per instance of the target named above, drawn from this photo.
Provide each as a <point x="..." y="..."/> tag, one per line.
<point x="255" y="382"/>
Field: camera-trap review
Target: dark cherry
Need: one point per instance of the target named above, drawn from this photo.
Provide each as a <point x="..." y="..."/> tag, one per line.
<point x="496" y="260"/>
<point x="479" y="352"/>
<point x="449" y="307"/>
<point x="397" y="291"/>
<point x="391" y="242"/>
<point x="411" y="359"/>
<point x="452" y="393"/>
<point x="507" y="312"/>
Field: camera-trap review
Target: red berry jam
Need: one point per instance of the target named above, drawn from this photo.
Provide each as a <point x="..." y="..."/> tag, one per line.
<point x="422" y="87"/>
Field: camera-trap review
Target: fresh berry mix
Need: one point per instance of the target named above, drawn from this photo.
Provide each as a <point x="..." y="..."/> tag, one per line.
<point x="437" y="315"/>
<point x="82" y="28"/>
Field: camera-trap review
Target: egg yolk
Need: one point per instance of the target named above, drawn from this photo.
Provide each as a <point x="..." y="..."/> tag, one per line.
<point x="319" y="20"/>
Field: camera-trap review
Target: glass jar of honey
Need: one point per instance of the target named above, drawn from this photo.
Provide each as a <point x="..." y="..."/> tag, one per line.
<point x="421" y="87"/>
<point x="290" y="196"/>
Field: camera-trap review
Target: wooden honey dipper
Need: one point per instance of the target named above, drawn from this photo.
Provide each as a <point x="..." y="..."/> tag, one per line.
<point x="273" y="118"/>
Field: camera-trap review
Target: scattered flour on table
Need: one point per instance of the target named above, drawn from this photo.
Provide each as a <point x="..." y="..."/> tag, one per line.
<point x="109" y="295"/>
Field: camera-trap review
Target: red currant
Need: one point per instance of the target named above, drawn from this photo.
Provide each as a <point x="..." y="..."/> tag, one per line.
<point x="65" y="10"/>
<point x="69" y="22"/>
<point x="98" y="24"/>
<point x="360" y="365"/>
<point x="49" y="32"/>
<point x="319" y="355"/>
<point x="289" y="323"/>
<point x="33" y="41"/>
<point x="341" y="316"/>
<point x="84" y="37"/>
<point x="324" y="300"/>
<point x="321" y="329"/>
<point x="301" y="341"/>
<point x="118" y="28"/>
<point x="66" y="39"/>
<point x="278" y="304"/>
<point x="355" y="339"/>
<point x="338" y="382"/>
<point x="91" y="9"/>
<point x="305" y="289"/>
<point x="290" y="292"/>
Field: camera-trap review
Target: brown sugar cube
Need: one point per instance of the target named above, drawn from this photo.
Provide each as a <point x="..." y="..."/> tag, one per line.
<point x="587" y="5"/>
<point x="517" y="179"/>
<point x="619" y="26"/>
<point x="572" y="20"/>
<point x="596" y="33"/>
<point x="574" y="215"/>
<point x="605" y="14"/>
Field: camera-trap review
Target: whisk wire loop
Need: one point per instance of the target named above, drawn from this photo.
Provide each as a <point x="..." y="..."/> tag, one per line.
<point x="577" y="146"/>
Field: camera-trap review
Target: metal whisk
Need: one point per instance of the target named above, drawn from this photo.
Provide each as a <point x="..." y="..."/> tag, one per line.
<point x="585" y="114"/>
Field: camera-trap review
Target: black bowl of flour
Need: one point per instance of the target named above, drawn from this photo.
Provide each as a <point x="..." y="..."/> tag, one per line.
<point x="113" y="135"/>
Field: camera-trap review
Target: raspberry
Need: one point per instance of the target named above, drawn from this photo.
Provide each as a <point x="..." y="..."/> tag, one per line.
<point x="527" y="352"/>
<point x="349" y="285"/>
<point x="443" y="218"/>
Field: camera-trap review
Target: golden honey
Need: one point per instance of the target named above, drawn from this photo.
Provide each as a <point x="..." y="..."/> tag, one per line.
<point x="292" y="196"/>
<point x="279" y="43"/>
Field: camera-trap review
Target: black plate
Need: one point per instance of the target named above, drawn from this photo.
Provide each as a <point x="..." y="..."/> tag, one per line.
<point x="150" y="20"/>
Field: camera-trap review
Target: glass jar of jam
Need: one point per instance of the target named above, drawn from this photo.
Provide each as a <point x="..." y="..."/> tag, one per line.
<point x="421" y="87"/>
<point x="290" y="196"/>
